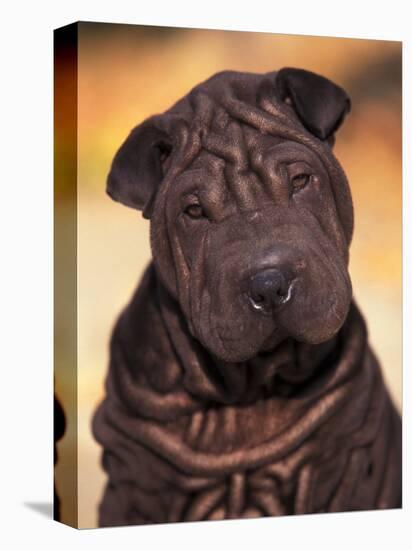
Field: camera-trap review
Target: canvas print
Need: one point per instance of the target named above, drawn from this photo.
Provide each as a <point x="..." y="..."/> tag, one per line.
<point x="228" y="275"/>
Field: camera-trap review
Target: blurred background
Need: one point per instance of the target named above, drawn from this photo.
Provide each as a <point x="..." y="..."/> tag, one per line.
<point x="127" y="73"/>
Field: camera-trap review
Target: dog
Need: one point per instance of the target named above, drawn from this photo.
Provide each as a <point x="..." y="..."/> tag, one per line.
<point x="241" y="383"/>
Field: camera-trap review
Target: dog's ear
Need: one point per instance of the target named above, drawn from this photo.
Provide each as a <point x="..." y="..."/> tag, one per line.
<point x="137" y="168"/>
<point x="320" y="104"/>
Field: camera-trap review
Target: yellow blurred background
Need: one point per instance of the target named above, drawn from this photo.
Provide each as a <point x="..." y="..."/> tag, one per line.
<point x="127" y="73"/>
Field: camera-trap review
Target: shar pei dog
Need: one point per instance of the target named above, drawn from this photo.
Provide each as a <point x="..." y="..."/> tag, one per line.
<point x="241" y="383"/>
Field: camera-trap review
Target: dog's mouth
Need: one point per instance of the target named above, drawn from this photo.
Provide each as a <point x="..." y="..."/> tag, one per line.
<point x="256" y="330"/>
<point x="272" y="342"/>
<point x="242" y="339"/>
<point x="236" y="342"/>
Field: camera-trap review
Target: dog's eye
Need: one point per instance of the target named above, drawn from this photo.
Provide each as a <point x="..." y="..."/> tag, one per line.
<point x="300" y="181"/>
<point x="194" y="211"/>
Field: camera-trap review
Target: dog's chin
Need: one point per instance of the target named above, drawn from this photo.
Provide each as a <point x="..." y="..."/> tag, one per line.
<point x="243" y="349"/>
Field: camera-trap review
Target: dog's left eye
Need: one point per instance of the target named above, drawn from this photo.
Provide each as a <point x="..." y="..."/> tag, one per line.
<point x="194" y="211"/>
<point x="300" y="181"/>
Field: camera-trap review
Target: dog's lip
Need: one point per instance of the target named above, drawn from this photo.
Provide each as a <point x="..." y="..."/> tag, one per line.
<point x="266" y="348"/>
<point x="272" y="341"/>
<point x="228" y="345"/>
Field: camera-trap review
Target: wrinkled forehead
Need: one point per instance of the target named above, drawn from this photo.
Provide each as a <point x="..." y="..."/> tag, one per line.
<point x="239" y="160"/>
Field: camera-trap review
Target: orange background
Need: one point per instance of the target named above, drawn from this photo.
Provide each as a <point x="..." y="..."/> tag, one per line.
<point x="127" y="73"/>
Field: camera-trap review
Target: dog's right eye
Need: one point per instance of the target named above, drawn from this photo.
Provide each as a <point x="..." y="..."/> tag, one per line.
<point x="194" y="211"/>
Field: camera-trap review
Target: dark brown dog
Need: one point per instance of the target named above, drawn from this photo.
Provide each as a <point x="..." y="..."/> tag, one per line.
<point x="241" y="383"/>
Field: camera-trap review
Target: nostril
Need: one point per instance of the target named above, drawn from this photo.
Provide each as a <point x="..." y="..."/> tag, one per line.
<point x="258" y="302"/>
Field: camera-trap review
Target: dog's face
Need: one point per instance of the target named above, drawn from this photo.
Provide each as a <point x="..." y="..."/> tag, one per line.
<point x="249" y="232"/>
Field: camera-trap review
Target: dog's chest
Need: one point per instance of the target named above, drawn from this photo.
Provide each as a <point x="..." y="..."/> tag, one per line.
<point x="224" y="429"/>
<point x="278" y="487"/>
<point x="238" y="495"/>
<point x="256" y="488"/>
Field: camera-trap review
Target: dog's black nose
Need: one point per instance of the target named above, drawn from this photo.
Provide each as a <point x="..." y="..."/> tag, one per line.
<point x="269" y="289"/>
